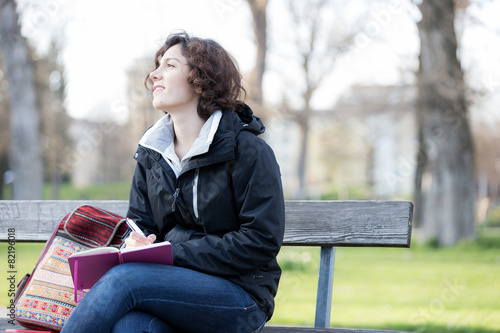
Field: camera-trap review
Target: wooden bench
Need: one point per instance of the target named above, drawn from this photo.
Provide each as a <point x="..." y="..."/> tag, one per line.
<point x="326" y="224"/>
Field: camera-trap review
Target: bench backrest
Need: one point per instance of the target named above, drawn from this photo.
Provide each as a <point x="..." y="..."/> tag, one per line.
<point x="308" y="223"/>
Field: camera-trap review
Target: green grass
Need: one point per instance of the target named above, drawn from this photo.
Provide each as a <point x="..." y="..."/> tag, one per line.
<point x="26" y="256"/>
<point x="100" y="191"/>
<point x="420" y="289"/>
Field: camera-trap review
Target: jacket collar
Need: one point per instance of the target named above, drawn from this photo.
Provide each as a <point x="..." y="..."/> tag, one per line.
<point x="220" y="148"/>
<point x="160" y="136"/>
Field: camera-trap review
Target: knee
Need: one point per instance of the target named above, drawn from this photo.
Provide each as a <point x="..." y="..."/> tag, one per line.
<point x="115" y="285"/>
<point x="112" y="276"/>
<point x="117" y="277"/>
<point x="125" y="279"/>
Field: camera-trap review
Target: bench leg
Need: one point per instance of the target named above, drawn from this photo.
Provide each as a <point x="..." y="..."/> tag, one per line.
<point x="325" y="287"/>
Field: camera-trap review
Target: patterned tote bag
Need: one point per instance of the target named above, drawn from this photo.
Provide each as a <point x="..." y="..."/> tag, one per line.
<point x="45" y="298"/>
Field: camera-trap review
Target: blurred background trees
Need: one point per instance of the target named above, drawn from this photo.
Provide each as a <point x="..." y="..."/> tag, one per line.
<point x="318" y="41"/>
<point x="50" y="86"/>
<point x="445" y="184"/>
<point x="25" y="151"/>
<point x="256" y="77"/>
<point x="338" y="132"/>
<point x="4" y="128"/>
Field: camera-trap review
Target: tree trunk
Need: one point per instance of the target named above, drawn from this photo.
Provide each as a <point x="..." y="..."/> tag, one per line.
<point x="303" y="120"/>
<point x="25" y="151"/>
<point x="446" y="155"/>
<point x="4" y="130"/>
<point x="258" y="8"/>
<point x="3" y="169"/>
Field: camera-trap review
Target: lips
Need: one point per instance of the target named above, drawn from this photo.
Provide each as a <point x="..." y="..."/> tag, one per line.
<point x="158" y="88"/>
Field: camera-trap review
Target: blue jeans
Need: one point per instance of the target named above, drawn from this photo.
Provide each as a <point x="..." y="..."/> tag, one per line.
<point x="143" y="297"/>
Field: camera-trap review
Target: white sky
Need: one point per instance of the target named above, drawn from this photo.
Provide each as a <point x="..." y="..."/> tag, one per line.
<point x="102" y="37"/>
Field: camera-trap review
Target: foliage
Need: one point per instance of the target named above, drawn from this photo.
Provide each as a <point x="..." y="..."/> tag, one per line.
<point x="487" y="238"/>
<point x="352" y="193"/>
<point x="493" y="219"/>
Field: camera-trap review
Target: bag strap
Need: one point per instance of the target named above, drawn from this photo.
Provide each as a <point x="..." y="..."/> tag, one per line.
<point x="113" y="234"/>
<point x="78" y="298"/>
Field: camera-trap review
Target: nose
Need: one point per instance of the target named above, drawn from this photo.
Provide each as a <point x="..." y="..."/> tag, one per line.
<point x="155" y="75"/>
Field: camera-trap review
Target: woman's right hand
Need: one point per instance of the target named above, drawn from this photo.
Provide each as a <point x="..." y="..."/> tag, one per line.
<point x="136" y="240"/>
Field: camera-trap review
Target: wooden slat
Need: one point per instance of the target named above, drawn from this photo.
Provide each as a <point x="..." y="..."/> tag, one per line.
<point x="321" y="223"/>
<point x="268" y="329"/>
<point x="287" y="329"/>
<point x="349" y="223"/>
<point x="35" y="220"/>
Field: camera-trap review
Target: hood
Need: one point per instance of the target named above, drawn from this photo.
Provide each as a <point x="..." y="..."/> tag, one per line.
<point x="251" y="122"/>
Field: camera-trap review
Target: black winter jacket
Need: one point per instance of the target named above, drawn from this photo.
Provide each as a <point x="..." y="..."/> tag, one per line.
<point x="240" y="207"/>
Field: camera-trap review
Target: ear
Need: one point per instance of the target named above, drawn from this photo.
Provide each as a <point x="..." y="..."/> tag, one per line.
<point x="197" y="90"/>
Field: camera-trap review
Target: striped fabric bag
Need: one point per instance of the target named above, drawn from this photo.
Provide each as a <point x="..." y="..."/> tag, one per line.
<point x="45" y="297"/>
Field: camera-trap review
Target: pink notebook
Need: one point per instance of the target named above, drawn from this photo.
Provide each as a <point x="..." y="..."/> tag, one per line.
<point x="87" y="267"/>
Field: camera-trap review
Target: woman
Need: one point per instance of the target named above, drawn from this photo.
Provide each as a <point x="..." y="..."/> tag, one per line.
<point x="206" y="183"/>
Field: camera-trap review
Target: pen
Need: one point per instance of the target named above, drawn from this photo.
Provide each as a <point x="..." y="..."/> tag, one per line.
<point x="131" y="224"/>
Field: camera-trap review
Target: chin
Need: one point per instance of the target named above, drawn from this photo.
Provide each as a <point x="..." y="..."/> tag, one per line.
<point x="158" y="106"/>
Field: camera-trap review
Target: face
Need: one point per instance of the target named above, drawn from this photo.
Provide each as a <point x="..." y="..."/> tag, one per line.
<point x="171" y="91"/>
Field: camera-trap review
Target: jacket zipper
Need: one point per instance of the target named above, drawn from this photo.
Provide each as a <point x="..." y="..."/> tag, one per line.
<point x="176" y="195"/>
<point x="177" y="189"/>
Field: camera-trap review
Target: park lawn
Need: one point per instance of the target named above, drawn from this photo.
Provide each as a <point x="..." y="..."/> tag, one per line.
<point x="100" y="191"/>
<point x="420" y="289"/>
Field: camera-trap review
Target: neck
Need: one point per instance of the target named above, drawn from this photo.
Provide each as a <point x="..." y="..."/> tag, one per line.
<point x="187" y="127"/>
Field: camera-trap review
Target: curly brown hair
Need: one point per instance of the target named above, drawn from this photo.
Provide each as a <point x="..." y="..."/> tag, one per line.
<point x="213" y="71"/>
